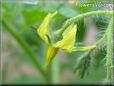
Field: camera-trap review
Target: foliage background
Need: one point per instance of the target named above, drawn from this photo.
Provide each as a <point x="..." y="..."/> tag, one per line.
<point x="25" y="16"/>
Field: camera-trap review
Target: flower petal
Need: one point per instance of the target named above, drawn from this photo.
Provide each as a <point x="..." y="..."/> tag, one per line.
<point x="43" y="29"/>
<point x="68" y="40"/>
<point x="50" y="55"/>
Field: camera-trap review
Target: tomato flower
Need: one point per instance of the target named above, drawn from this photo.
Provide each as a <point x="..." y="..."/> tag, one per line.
<point x="66" y="43"/>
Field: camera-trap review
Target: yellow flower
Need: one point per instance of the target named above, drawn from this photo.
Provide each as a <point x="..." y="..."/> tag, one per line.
<point x="66" y="43"/>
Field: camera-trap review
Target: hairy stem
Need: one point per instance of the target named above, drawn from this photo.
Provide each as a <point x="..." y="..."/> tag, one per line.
<point x="88" y="14"/>
<point x="109" y="63"/>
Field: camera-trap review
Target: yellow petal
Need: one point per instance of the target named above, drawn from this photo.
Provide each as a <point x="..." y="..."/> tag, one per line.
<point x="50" y="55"/>
<point x="43" y="29"/>
<point x="67" y="30"/>
<point x="68" y="40"/>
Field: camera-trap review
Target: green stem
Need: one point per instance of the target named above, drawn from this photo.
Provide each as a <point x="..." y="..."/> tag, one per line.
<point x="88" y="14"/>
<point x="26" y="48"/>
<point x="55" y="71"/>
<point x="86" y="48"/>
<point x="109" y="64"/>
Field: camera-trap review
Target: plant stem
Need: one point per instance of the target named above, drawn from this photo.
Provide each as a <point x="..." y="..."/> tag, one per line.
<point x="110" y="70"/>
<point x="86" y="48"/>
<point x="55" y="71"/>
<point x="26" y="48"/>
<point x="88" y="14"/>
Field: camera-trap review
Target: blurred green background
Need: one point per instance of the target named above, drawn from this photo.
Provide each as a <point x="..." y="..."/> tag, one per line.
<point x="21" y="18"/>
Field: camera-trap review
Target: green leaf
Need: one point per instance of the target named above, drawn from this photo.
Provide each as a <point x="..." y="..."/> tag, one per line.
<point x="83" y="64"/>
